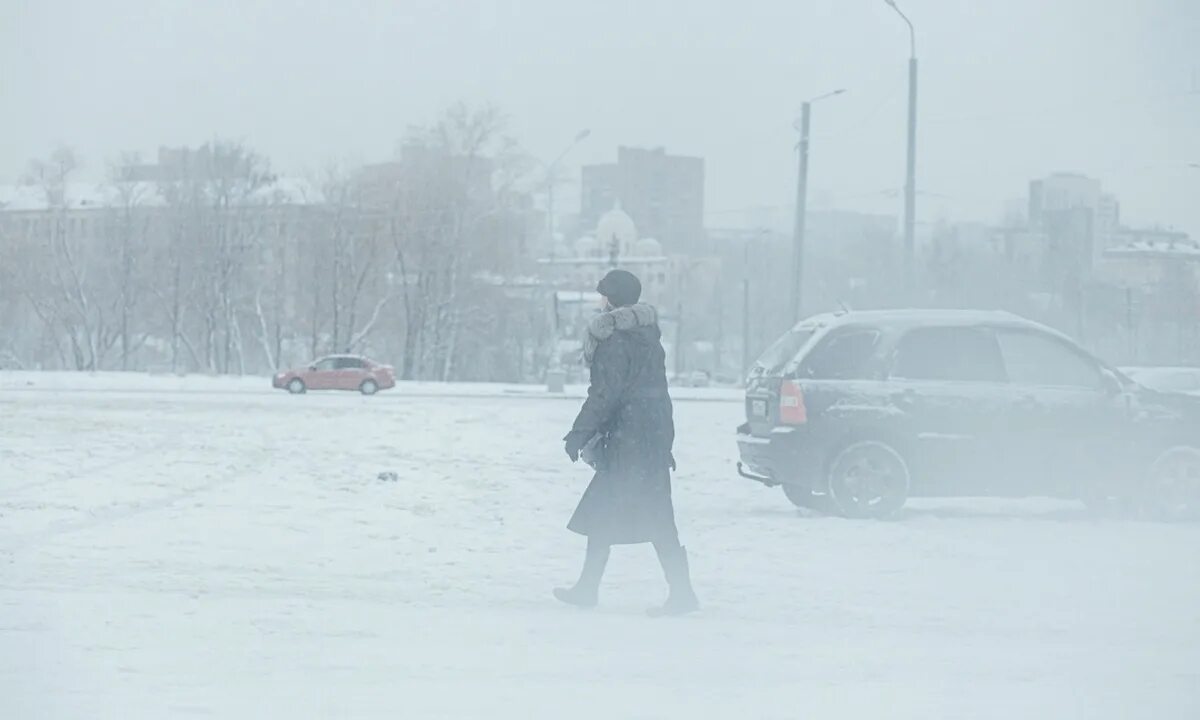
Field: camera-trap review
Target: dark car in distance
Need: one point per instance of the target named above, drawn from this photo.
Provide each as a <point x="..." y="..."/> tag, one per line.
<point x="856" y="412"/>
<point x="338" y="372"/>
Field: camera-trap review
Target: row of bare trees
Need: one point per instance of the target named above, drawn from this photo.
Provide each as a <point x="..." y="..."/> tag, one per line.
<point x="214" y="264"/>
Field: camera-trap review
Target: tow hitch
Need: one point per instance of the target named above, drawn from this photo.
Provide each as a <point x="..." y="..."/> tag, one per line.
<point x="756" y="478"/>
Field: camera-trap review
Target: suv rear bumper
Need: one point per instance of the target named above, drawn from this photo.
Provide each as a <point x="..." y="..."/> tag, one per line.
<point x="783" y="458"/>
<point x="756" y="457"/>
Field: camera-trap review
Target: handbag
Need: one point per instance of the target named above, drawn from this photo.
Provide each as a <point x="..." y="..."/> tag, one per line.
<point x="593" y="452"/>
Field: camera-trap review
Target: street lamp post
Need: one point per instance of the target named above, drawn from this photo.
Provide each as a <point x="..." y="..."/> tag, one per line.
<point x="746" y="310"/>
<point x="746" y="344"/>
<point x="910" y="181"/>
<point x="551" y="169"/>
<point x="802" y="207"/>
<point x="555" y="376"/>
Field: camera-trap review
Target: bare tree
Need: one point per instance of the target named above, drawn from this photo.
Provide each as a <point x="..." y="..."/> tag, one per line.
<point x="65" y="283"/>
<point x="216" y="215"/>
<point x="441" y="224"/>
<point x="128" y="229"/>
<point x="203" y="260"/>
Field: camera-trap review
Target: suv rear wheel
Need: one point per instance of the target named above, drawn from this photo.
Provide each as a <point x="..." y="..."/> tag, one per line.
<point x="1173" y="490"/>
<point x="868" y="479"/>
<point x="803" y="497"/>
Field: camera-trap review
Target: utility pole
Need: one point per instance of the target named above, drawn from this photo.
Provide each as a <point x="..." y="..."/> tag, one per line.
<point x="719" y="344"/>
<point x="550" y="212"/>
<point x="910" y="182"/>
<point x="555" y="376"/>
<point x="910" y="179"/>
<point x="802" y="207"/>
<point x="679" y="360"/>
<point x="746" y="310"/>
<point x="1130" y="337"/>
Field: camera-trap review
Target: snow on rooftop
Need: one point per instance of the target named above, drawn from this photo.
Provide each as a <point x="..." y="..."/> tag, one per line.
<point x="90" y="196"/>
<point x="76" y="196"/>
<point x="1177" y="248"/>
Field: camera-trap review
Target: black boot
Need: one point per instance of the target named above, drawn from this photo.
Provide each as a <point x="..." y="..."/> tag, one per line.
<point x="586" y="592"/>
<point x="682" y="598"/>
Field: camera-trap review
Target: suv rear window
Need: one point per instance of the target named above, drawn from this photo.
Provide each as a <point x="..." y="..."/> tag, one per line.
<point x="783" y="351"/>
<point x="963" y="354"/>
<point x="843" y="356"/>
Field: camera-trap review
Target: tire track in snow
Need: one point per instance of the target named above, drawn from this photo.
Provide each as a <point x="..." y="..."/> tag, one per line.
<point x="77" y="474"/>
<point x="24" y="541"/>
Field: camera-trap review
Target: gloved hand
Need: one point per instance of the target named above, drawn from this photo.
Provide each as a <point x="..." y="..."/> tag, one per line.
<point x="575" y="442"/>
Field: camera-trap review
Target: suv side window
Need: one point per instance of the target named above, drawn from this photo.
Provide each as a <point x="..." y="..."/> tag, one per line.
<point x="962" y="354"/>
<point x="1035" y="359"/>
<point x="351" y="364"/>
<point x="844" y="356"/>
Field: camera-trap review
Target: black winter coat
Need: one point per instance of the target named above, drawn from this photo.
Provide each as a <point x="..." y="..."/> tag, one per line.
<point x="629" y="499"/>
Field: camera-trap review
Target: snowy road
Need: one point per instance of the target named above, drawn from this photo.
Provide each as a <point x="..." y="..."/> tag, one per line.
<point x="232" y="555"/>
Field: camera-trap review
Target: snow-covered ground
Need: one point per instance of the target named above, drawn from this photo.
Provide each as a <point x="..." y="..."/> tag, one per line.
<point x="200" y="548"/>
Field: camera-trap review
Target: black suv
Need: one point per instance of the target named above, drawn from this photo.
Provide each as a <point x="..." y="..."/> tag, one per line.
<point x="856" y="412"/>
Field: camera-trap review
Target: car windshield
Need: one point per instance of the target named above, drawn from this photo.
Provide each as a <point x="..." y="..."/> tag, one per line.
<point x="783" y="351"/>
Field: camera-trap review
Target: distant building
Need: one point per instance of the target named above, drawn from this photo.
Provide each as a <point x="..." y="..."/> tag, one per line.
<point x="1062" y="191"/>
<point x="1073" y="210"/>
<point x="663" y="194"/>
<point x="1142" y="258"/>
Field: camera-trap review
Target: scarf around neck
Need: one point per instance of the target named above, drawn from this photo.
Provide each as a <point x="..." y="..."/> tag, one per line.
<point x="605" y="324"/>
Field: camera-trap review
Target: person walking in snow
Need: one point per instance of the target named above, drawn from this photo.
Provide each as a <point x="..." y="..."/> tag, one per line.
<point x="626" y="431"/>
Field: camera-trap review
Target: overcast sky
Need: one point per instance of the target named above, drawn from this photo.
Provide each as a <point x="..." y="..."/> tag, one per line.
<point x="1010" y="89"/>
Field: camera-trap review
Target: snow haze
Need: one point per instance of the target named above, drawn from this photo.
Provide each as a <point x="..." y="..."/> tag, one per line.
<point x="1009" y="91"/>
<point x="211" y="211"/>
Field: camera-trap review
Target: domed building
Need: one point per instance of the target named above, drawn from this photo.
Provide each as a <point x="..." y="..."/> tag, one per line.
<point x="616" y="232"/>
<point x="613" y="244"/>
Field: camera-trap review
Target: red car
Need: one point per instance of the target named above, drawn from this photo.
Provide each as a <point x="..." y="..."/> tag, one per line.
<point x="338" y="372"/>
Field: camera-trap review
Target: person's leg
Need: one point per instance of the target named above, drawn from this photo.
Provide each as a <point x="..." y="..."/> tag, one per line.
<point x="673" y="558"/>
<point x="586" y="591"/>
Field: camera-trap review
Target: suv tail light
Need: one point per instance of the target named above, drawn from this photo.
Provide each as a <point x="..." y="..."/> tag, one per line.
<point x="791" y="404"/>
